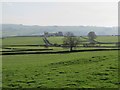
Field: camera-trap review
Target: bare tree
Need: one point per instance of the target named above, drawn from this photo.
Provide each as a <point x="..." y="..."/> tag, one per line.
<point x="70" y="41"/>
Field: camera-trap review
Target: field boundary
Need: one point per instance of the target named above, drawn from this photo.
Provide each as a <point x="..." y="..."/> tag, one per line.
<point x="25" y="50"/>
<point x="20" y="53"/>
<point x="56" y="46"/>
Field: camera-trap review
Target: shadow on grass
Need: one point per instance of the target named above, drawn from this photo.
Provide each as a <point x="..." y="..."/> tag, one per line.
<point x="58" y="52"/>
<point x="15" y="50"/>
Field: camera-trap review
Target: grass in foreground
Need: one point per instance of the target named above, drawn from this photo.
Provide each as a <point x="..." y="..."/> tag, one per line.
<point x="98" y="69"/>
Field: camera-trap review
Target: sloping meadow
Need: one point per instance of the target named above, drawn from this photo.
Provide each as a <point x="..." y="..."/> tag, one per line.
<point x="98" y="69"/>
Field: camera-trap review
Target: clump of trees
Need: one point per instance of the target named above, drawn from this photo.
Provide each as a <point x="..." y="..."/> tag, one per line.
<point x="70" y="41"/>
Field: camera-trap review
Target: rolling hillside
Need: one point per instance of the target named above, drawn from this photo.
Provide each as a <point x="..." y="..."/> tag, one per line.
<point x="21" y="30"/>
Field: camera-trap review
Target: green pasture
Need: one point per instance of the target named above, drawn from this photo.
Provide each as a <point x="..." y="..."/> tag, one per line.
<point x="54" y="49"/>
<point x="107" y="38"/>
<point x="98" y="69"/>
<point x="57" y="40"/>
<point x="39" y="41"/>
<point x="22" y="41"/>
<point x="93" y="69"/>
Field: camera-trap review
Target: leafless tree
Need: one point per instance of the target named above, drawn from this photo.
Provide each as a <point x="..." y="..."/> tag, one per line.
<point x="70" y="41"/>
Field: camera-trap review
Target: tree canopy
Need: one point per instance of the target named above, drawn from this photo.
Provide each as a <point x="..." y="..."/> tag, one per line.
<point x="92" y="35"/>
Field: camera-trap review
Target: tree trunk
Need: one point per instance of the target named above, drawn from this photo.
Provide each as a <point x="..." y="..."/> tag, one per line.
<point x="71" y="48"/>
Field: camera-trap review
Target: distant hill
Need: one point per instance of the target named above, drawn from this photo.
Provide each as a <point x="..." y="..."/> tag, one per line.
<point x="23" y="30"/>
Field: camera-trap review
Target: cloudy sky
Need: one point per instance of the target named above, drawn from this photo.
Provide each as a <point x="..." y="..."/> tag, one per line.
<point x="60" y="13"/>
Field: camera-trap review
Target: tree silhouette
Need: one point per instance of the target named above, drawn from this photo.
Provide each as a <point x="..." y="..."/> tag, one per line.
<point x="92" y="35"/>
<point x="70" y="41"/>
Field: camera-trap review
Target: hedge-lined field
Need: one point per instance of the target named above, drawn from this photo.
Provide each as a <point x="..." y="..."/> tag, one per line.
<point x="93" y="69"/>
<point x="39" y="41"/>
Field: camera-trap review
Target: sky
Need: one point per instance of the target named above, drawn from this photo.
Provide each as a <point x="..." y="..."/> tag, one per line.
<point x="61" y="13"/>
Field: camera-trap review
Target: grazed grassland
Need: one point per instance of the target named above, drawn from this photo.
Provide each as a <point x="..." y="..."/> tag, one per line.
<point x="38" y="40"/>
<point x="96" y="69"/>
<point x="74" y="70"/>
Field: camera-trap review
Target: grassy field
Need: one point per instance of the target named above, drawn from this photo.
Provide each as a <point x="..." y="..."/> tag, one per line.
<point x="107" y="38"/>
<point x="38" y="40"/>
<point x="22" y="41"/>
<point x="73" y="70"/>
<point x="93" y="69"/>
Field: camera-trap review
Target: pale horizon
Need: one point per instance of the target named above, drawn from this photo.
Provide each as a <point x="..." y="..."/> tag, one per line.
<point x="57" y="25"/>
<point x="100" y="14"/>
